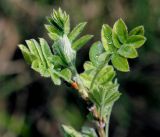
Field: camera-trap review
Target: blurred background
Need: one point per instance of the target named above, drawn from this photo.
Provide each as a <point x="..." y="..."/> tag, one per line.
<point x="31" y="106"/>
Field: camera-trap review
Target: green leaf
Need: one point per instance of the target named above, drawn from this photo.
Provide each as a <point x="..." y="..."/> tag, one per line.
<point x="106" y="36"/>
<point x="106" y="75"/>
<point x="67" y="74"/>
<point x="112" y="98"/>
<point x="57" y="61"/>
<point x="67" y="25"/>
<point x="120" y="29"/>
<point x="81" y="42"/>
<point x="128" y="52"/>
<point x="35" y="65"/>
<point x="60" y="21"/>
<point x="96" y="97"/>
<point x="94" y="52"/>
<point x="29" y="57"/>
<point x="136" y="41"/>
<point x="32" y="47"/>
<point x="43" y="71"/>
<point x="70" y="132"/>
<point x="52" y="29"/>
<point x="88" y="132"/>
<point x="88" y="66"/>
<point x="45" y="49"/>
<point x="104" y="97"/>
<point x="137" y="31"/>
<point x="76" y="31"/>
<point x="53" y="36"/>
<point x="54" y="23"/>
<point x="56" y="80"/>
<point x="39" y="50"/>
<point x="38" y="56"/>
<point x="102" y="57"/>
<point x="39" y="67"/>
<point x="87" y="77"/>
<point x="120" y="63"/>
<point x="63" y="48"/>
<point x="115" y="39"/>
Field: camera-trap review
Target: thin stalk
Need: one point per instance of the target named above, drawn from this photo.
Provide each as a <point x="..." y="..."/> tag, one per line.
<point x="101" y="132"/>
<point x="83" y="91"/>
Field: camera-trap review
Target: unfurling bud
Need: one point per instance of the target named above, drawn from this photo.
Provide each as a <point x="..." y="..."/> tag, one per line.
<point x="63" y="48"/>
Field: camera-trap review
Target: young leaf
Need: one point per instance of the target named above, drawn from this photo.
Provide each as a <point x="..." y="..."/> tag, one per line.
<point x="52" y="29"/>
<point x="57" y="61"/>
<point x="120" y="63"/>
<point x="94" y="52"/>
<point x="88" y="132"/>
<point x="67" y="74"/>
<point x="70" y="132"/>
<point x="136" y="41"/>
<point x="81" y="42"/>
<point x="63" y="48"/>
<point x="106" y="36"/>
<point x="54" y="23"/>
<point x="102" y="57"/>
<point x="137" y="31"/>
<point x="61" y="23"/>
<point x="53" y="36"/>
<point x="96" y="97"/>
<point x="29" y="57"/>
<point x="87" y="77"/>
<point x="115" y="39"/>
<point x="39" y="67"/>
<point x="128" y="52"/>
<point x="67" y="25"/>
<point x="76" y="31"/>
<point x="88" y="66"/>
<point x="45" y="49"/>
<point x="112" y="97"/>
<point x="43" y="71"/>
<point x="40" y="54"/>
<point x="35" y="65"/>
<point x="32" y="47"/>
<point x="105" y="75"/>
<point x="120" y="29"/>
<point x="56" y="80"/>
<point x="104" y="97"/>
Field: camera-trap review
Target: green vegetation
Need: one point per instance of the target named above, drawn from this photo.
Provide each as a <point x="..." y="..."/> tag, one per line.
<point x="98" y="83"/>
